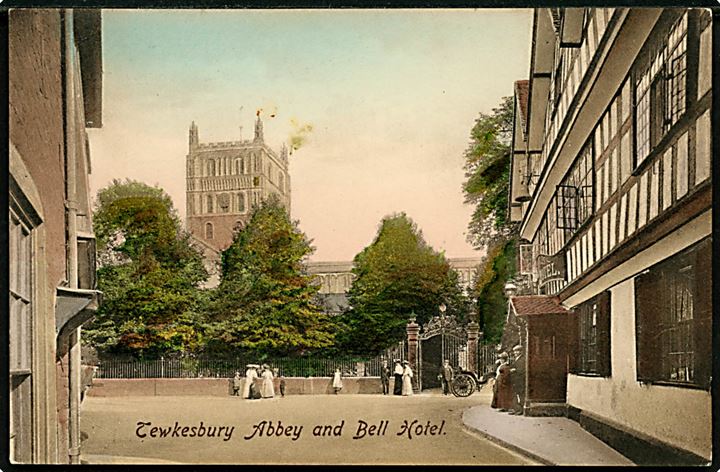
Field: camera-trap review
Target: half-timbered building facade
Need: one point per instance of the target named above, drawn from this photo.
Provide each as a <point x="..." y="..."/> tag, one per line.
<point x="611" y="187"/>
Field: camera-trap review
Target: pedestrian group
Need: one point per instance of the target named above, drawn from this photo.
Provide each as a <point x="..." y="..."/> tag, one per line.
<point x="509" y="388"/>
<point x="249" y="388"/>
<point x="246" y="386"/>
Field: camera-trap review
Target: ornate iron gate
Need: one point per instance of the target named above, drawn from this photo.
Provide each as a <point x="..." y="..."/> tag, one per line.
<point x="441" y="338"/>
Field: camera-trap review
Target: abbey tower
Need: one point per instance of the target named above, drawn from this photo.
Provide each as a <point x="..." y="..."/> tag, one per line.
<point x="224" y="181"/>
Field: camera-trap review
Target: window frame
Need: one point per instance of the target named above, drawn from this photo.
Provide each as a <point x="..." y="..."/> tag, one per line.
<point x="21" y="376"/>
<point x="647" y="75"/>
<point x="209" y="230"/>
<point x="595" y="312"/>
<point x="657" y="322"/>
<point x="577" y="177"/>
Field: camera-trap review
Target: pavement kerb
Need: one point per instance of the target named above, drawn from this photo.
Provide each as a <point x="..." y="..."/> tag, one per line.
<point x="506" y="445"/>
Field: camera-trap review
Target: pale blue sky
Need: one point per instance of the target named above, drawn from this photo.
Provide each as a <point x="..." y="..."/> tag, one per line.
<point x="391" y="94"/>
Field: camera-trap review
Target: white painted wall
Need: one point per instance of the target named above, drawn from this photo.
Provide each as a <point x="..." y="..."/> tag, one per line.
<point x="678" y="416"/>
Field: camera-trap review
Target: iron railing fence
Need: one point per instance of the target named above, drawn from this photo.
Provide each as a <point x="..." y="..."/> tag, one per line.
<point x="200" y="367"/>
<point x="487" y="355"/>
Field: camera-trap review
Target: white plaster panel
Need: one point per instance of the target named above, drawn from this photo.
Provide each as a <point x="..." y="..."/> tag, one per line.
<point x="705" y="66"/>
<point x="667" y="178"/>
<point x="600" y="187"/>
<point x="632" y="210"/>
<point x="681" y="176"/>
<point x="642" y="200"/>
<point x="613" y="171"/>
<point x="612" y="225"/>
<point x="625" y="158"/>
<point x="604" y="231"/>
<point x="654" y="189"/>
<point x="703" y="148"/>
<point x="623" y="218"/>
<point x="625" y="101"/>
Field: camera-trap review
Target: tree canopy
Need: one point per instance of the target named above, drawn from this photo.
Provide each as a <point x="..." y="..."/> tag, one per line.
<point x="487" y="168"/>
<point x="265" y="302"/>
<point x="397" y="275"/>
<point x="149" y="273"/>
<point x="487" y="171"/>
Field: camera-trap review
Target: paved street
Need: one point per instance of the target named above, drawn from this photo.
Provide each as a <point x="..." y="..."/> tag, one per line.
<point x="113" y="433"/>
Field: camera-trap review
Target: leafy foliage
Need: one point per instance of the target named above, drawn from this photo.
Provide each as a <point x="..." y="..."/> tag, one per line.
<point x="265" y="302"/>
<point x="397" y="275"/>
<point x="487" y="169"/>
<point x="487" y="166"/>
<point x="498" y="268"/>
<point x="149" y="273"/>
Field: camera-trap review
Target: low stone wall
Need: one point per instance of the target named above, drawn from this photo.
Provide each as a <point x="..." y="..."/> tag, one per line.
<point x="222" y="387"/>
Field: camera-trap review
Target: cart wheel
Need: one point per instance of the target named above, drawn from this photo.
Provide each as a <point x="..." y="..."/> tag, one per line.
<point x="463" y="385"/>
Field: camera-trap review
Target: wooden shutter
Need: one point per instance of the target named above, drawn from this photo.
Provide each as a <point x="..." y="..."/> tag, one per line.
<point x="648" y="309"/>
<point x="603" y="334"/>
<point x="702" y="314"/>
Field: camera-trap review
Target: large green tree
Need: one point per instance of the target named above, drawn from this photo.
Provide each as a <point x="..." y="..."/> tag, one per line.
<point x="265" y="301"/>
<point x="487" y="170"/>
<point x="397" y="275"/>
<point x="149" y="273"/>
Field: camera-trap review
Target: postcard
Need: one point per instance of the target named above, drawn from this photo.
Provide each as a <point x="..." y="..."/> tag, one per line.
<point x="360" y="236"/>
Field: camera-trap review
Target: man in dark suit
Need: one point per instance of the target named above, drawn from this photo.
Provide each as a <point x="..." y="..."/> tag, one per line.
<point x="446" y="376"/>
<point x="385" y="377"/>
<point x="517" y="377"/>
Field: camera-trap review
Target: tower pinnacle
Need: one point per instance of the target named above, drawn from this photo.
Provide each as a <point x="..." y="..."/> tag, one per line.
<point x="193" y="139"/>
<point x="258" y="130"/>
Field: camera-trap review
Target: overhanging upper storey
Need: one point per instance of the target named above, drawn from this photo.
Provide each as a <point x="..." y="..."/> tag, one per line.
<point x="582" y="82"/>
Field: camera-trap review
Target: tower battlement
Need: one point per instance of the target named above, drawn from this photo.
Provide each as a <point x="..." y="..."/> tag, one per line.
<point x="225" y="179"/>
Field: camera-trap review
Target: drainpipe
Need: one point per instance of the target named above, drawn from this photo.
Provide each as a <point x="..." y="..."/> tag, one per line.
<point x="74" y="363"/>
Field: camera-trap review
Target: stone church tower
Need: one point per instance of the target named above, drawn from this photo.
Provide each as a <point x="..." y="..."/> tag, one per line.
<point x="224" y="181"/>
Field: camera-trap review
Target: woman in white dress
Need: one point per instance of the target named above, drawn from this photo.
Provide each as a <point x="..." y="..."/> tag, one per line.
<point x="250" y="376"/>
<point x="337" y="381"/>
<point x="267" y="390"/>
<point x="407" y="379"/>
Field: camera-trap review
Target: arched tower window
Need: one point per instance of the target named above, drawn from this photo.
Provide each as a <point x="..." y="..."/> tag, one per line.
<point x="211" y="167"/>
<point x="209" y="204"/>
<point x="238" y="166"/>
<point x="209" y="231"/>
<point x="241" y="201"/>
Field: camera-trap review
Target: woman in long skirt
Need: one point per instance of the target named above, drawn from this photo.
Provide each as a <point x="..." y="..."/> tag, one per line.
<point x="397" y="375"/>
<point x="268" y="389"/>
<point x="407" y="380"/>
<point x="337" y="381"/>
<point x="250" y="376"/>
<point x="504" y="390"/>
